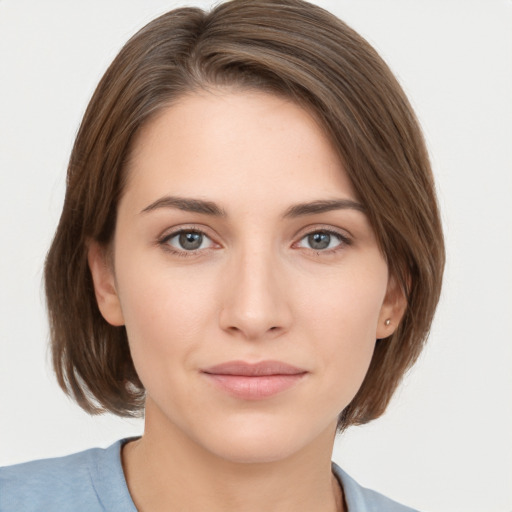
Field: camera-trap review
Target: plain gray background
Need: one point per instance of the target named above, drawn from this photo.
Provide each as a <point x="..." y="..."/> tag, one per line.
<point x="445" y="443"/>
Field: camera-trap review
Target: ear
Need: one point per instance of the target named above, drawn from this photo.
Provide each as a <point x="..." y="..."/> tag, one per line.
<point x="392" y="310"/>
<point x="104" y="284"/>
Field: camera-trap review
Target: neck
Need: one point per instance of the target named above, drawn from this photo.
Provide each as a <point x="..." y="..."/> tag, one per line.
<point x="167" y="470"/>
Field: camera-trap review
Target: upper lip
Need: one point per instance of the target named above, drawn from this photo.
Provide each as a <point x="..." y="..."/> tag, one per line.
<point x="254" y="369"/>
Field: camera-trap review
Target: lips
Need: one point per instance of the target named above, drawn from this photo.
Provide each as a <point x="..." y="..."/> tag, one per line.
<point x="257" y="381"/>
<point x="254" y="369"/>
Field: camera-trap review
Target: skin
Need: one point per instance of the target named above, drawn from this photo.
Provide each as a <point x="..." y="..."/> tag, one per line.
<point x="255" y="289"/>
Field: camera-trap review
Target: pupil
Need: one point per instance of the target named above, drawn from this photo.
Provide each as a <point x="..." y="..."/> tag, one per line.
<point x="319" y="240"/>
<point x="190" y="240"/>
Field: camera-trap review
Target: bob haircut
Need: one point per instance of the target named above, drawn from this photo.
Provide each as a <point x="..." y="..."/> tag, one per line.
<point x="285" y="47"/>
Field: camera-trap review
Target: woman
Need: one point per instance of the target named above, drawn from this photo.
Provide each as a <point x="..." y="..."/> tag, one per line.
<point x="248" y="243"/>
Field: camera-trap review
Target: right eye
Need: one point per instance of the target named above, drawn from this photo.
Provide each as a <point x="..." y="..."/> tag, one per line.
<point x="188" y="240"/>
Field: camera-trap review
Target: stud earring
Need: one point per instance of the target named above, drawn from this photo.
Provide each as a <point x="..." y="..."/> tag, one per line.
<point x="387" y="323"/>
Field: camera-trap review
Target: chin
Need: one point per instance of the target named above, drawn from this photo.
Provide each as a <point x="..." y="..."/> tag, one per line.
<point x="256" y="451"/>
<point x="260" y="442"/>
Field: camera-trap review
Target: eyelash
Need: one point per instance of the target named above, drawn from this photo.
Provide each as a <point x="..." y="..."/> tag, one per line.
<point x="164" y="242"/>
<point x="344" y="241"/>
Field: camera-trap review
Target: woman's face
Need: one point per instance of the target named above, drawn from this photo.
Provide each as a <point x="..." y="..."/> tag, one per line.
<point x="247" y="275"/>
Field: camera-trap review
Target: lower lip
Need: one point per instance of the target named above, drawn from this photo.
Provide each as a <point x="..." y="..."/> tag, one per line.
<point x="254" y="388"/>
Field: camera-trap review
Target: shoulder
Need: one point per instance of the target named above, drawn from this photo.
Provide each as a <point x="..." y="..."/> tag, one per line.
<point x="73" y="482"/>
<point x="48" y="484"/>
<point x="361" y="499"/>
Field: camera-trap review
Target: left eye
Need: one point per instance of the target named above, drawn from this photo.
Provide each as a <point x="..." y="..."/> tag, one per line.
<point x="321" y="240"/>
<point x="188" y="240"/>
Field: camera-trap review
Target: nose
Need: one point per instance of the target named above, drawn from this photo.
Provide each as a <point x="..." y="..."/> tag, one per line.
<point x="255" y="303"/>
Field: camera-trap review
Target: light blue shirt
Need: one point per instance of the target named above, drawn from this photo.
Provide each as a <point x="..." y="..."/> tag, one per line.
<point x="93" y="481"/>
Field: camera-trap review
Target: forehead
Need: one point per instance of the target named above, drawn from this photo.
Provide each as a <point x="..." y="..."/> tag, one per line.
<point x="229" y="145"/>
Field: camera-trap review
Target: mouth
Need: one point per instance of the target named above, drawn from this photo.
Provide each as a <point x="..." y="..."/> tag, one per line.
<point x="257" y="381"/>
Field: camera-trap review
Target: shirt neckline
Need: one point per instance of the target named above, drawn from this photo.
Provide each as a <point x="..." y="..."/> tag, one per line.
<point x="112" y="489"/>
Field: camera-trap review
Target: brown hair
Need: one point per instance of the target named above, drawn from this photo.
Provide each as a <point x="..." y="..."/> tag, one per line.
<point x="287" y="47"/>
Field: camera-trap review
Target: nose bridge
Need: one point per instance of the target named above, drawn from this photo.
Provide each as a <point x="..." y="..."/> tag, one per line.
<point x="255" y="300"/>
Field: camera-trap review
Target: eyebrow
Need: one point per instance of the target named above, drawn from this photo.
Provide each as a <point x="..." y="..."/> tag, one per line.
<point x="322" y="206"/>
<point x="187" y="205"/>
<point x="211" y="208"/>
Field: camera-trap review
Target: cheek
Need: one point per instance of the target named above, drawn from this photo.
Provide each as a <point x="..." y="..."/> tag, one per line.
<point x="348" y="304"/>
<point x="343" y="321"/>
<point x="165" y="313"/>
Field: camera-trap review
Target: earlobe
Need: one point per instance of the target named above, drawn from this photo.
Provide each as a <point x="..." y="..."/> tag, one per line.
<point x="104" y="284"/>
<point x="392" y="310"/>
